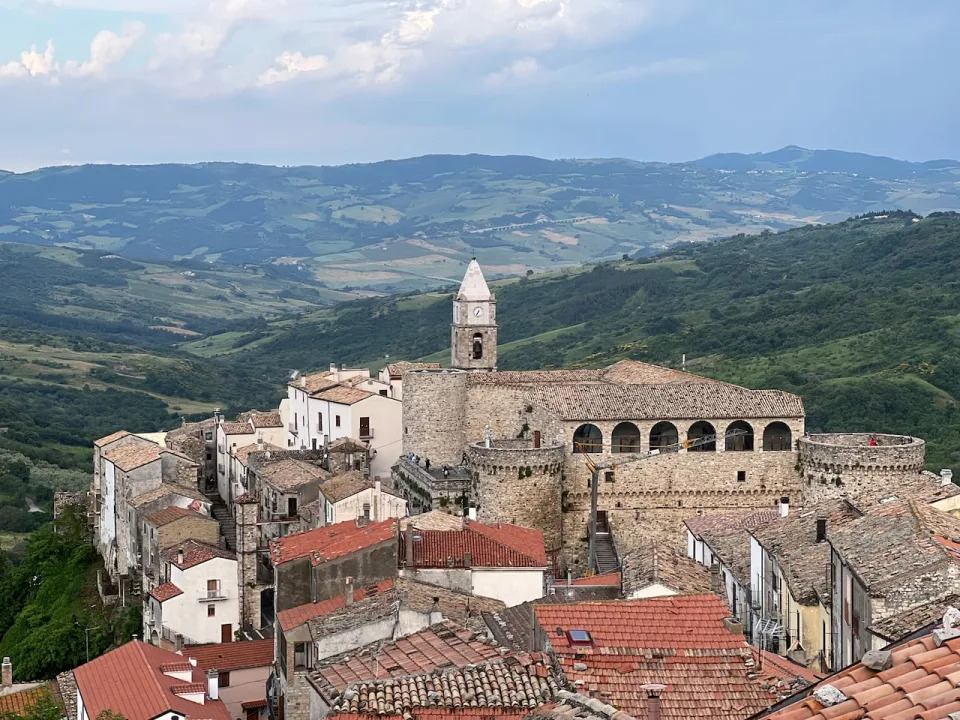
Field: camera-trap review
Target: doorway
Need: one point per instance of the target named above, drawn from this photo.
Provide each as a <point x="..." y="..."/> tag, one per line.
<point x="226" y="633"/>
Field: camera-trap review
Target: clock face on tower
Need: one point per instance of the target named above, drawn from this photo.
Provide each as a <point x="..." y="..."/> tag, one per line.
<point x="477" y="312"/>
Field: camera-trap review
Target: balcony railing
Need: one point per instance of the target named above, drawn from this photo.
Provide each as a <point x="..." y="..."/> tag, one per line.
<point x="211" y="595"/>
<point x="292" y="428"/>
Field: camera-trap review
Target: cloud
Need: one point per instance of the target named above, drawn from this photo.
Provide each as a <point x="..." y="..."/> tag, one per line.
<point x="519" y="71"/>
<point x="672" y="66"/>
<point x="32" y="63"/>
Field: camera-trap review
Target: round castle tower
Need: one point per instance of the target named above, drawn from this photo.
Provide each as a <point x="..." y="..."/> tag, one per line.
<point x="519" y="481"/>
<point x="836" y="463"/>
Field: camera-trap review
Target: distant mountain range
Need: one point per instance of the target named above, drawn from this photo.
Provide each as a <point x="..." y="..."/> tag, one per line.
<point x="410" y="224"/>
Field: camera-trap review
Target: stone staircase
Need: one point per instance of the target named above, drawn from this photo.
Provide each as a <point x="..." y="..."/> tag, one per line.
<point x="228" y="526"/>
<point x="606" y="555"/>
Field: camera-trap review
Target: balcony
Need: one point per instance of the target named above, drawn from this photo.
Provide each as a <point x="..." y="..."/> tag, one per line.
<point x="206" y="596"/>
<point x="292" y="428"/>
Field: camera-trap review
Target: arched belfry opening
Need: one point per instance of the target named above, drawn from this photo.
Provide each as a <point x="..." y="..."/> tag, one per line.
<point x="478" y="346"/>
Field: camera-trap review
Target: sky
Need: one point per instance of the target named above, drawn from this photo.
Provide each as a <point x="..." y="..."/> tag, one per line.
<point x="291" y="82"/>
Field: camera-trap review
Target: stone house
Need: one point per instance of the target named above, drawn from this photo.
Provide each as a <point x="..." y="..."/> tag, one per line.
<point x="168" y="527"/>
<point x="723" y="539"/>
<point x="392" y="375"/>
<point x="243" y="670"/>
<point x="239" y="465"/>
<point x="197" y="441"/>
<point x="328" y="406"/>
<point x="314" y="565"/>
<point x="198" y="601"/>
<point x="283" y="485"/>
<point x="503" y="562"/>
<point x="348" y="453"/>
<point x="349" y="496"/>
<point x="898" y="556"/>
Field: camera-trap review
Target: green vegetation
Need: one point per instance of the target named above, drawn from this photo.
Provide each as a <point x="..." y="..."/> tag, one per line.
<point x="404" y="225"/>
<point x="861" y="318"/>
<point x="48" y="602"/>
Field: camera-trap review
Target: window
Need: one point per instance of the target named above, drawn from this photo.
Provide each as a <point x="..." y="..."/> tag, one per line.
<point x="776" y="437"/>
<point x="295" y="423"/>
<point x="739" y="437"/>
<point x="213" y="588"/>
<point x="366" y="512"/>
<point x="211" y="610"/>
<point x="608" y="476"/>
<point x="741" y="475"/>
<point x="383" y="393"/>
<point x="625" y="438"/>
<point x="300" y="654"/>
<point x="320" y="421"/>
<point x="338" y="421"/>
<point x="208" y="435"/>
<point x="663" y="435"/>
<point x="224" y="679"/>
<point x="699" y="431"/>
<point x="209" y="456"/>
<point x="587" y="439"/>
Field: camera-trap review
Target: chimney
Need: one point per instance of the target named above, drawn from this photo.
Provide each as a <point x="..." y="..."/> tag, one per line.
<point x="408" y="556"/>
<point x="180" y="556"/>
<point x="436" y="615"/>
<point x="653" y="700"/>
<point x="784" y="506"/>
<point x="377" y="498"/>
<point x="821" y="529"/>
<point x="536" y="439"/>
<point x="716" y="584"/>
<point x="472" y="513"/>
<point x="213" y="684"/>
<point x="260" y="441"/>
<point x="946" y="477"/>
<point x="348" y="594"/>
<point x="192" y="661"/>
<point x="7" y="673"/>
<point x="467" y="560"/>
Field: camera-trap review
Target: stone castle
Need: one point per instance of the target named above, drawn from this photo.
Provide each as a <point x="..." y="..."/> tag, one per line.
<point x="520" y="439"/>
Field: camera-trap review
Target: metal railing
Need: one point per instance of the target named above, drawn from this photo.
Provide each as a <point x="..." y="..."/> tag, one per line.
<point x="212" y="595"/>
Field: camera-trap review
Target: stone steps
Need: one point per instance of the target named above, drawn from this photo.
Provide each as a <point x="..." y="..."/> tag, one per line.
<point x="605" y="554"/>
<point x="228" y="526"/>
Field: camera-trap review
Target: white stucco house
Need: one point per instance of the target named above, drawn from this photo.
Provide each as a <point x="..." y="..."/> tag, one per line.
<point x="198" y="602"/>
<point x="327" y="406"/>
<point x="249" y="428"/>
<point x="500" y="561"/>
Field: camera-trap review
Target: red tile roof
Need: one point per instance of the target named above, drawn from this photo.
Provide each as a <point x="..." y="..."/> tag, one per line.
<point x="331" y="542"/>
<point x="501" y="546"/>
<point x="231" y="656"/>
<point x="254" y="704"/>
<point x="194" y="553"/>
<point x="423" y="652"/>
<point x="129" y="681"/>
<point x="444" y="713"/>
<point x="922" y="682"/>
<point x="166" y="591"/>
<point x="169" y="514"/>
<point x="22" y="700"/>
<point x="605" y="580"/>
<point x="296" y="616"/>
<point x="779" y="665"/>
<point x="679" y="641"/>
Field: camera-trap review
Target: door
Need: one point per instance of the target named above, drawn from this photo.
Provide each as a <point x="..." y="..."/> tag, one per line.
<point x="364" y="428"/>
<point x="226" y="633"/>
<point x="603" y="525"/>
<point x="291" y="507"/>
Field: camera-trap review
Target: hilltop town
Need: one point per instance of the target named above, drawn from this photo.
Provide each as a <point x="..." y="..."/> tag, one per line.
<point x="429" y="541"/>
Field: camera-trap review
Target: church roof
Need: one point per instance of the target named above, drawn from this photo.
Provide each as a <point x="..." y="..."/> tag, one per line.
<point x="474" y="287"/>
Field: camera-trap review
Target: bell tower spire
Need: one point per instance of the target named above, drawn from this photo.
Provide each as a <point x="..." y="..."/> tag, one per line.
<point x="473" y="334"/>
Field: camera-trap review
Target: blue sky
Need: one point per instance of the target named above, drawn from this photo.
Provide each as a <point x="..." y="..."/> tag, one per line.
<point x="334" y="81"/>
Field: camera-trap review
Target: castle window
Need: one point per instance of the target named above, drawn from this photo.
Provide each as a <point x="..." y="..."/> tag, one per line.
<point x="698" y="430"/>
<point x="587" y="439"/>
<point x="776" y="437"/>
<point x="662" y="435"/>
<point x="743" y="439"/>
<point x="625" y="438"/>
<point x="741" y="475"/>
<point x="478" y="346"/>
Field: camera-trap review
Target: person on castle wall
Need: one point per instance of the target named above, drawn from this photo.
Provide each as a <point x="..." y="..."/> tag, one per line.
<point x="426" y="464"/>
<point x="446" y="471"/>
<point x="464" y="460"/>
<point x="873" y="440"/>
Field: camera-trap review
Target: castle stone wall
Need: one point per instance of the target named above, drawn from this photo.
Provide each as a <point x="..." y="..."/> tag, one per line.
<point x="520" y="484"/>
<point x="434" y="407"/>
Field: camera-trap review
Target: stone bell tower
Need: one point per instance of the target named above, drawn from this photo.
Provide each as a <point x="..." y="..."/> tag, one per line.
<point x="473" y="335"/>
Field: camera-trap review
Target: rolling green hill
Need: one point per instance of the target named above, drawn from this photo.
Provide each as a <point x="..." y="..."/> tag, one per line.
<point x="862" y="318"/>
<point x="409" y="224"/>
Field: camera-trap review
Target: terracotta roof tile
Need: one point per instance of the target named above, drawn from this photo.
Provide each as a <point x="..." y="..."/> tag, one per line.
<point x="22" y="700"/>
<point x="289" y="473"/>
<point x="312" y="383"/>
<point x="129" y="681"/>
<point x="270" y="419"/>
<point x="730" y="522"/>
<point x="254" y="704"/>
<point x="665" y="565"/>
<point x="331" y="542"/>
<point x="132" y="456"/>
<point x="604" y="580"/>
<point x="296" y="616"/>
<point x="166" y="591"/>
<point x="919" y="684"/>
<point x="423" y="652"/>
<point x="522" y="681"/>
<point x="166" y="489"/>
<point x="397" y="369"/>
<point x="679" y="641"/>
<point x="237" y="428"/>
<point x="500" y="545"/>
<point x="343" y="395"/>
<point x="345" y="485"/>
<point x="195" y="552"/>
<point x="168" y="515"/>
<point x="110" y="438"/>
<point x="243" y="453"/>
<point x="231" y="656"/>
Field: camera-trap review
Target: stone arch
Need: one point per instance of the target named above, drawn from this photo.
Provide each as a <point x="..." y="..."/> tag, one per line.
<point x="700" y="429"/>
<point x="777" y="437"/>
<point x="663" y="434"/>
<point x="739" y="443"/>
<point x="625" y="438"/>
<point x="587" y="439"/>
